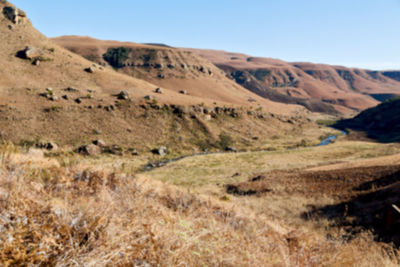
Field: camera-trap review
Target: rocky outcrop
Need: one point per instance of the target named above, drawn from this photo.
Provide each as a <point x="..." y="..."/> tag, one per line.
<point x="15" y="15"/>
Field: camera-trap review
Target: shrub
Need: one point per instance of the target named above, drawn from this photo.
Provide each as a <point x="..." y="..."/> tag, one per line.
<point x="225" y="140"/>
<point x="117" y="56"/>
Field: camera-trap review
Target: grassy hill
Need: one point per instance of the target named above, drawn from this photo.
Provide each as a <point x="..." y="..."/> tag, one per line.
<point x="62" y="97"/>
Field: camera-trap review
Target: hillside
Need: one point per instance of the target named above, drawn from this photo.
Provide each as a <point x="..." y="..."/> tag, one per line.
<point x="48" y="93"/>
<point x="381" y="123"/>
<point x="343" y="88"/>
<point x="167" y="67"/>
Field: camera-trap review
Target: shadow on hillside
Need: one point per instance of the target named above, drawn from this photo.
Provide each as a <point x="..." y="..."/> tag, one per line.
<point x="371" y="210"/>
<point x="381" y="123"/>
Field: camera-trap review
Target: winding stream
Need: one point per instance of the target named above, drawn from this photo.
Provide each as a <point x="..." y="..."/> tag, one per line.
<point x="153" y="165"/>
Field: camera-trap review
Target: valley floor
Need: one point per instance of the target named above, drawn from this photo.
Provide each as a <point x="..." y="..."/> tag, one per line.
<point x="308" y="206"/>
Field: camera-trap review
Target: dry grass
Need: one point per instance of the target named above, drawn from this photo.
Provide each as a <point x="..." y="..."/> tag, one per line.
<point x="66" y="216"/>
<point x="209" y="173"/>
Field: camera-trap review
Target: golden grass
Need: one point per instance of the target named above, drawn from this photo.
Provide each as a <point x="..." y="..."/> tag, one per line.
<point x="211" y="172"/>
<point x="68" y="216"/>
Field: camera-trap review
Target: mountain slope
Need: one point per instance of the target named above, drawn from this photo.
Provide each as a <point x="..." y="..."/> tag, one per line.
<point x="345" y="89"/>
<point x="167" y="67"/>
<point x="48" y="93"/>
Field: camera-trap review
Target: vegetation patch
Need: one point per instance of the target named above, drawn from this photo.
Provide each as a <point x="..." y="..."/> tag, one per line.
<point x="117" y="56"/>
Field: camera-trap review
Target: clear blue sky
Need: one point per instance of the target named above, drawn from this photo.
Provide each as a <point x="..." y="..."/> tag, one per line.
<point x="363" y="33"/>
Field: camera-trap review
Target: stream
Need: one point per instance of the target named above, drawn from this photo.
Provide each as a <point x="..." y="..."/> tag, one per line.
<point x="330" y="139"/>
<point x="153" y="165"/>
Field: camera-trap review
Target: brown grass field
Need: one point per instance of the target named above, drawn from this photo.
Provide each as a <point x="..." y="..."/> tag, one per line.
<point x="68" y="213"/>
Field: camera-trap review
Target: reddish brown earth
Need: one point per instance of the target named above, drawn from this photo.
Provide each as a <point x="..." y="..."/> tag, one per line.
<point x="346" y="89"/>
<point x="363" y="196"/>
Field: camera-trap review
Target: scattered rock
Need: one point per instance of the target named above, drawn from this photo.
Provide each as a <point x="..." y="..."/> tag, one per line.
<point x="207" y="117"/>
<point x="180" y="110"/>
<point x="230" y="149"/>
<point x="133" y="152"/>
<point x="91" y="69"/>
<point x="99" y="143"/>
<point x="47" y="145"/>
<point x="148" y="97"/>
<point x="162" y="151"/>
<point x="257" y="178"/>
<point x="183" y="92"/>
<point x="123" y="95"/>
<point x="71" y="89"/>
<point x="53" y="98"/>
<point x="109" y="108"/>
<point x="161" y="76"/>
<point x="90" y="150"/>
<point x="36" y="62"/>
<point x="78" y="100"/>
<point x="65" y="97"/>
<point x="10" y="27"/>
<point x="158" y="91"/>
<point x="114" y="149"/>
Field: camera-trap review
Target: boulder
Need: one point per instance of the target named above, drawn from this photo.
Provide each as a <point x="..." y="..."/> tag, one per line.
<point x="11" y="13"/>
<point x="47" y="145"/>
<point x="51" y="146"/>
<point x="158" y="91"/>
<point x="114" y="149"/>
<point x="159" y="66"/>
<point x="90" y="150"/>
<point x="207" y="117"/>
<point x="230" y="149"/>
<point x="31" y="53"/>
<point x="71" y="89"/>
<point x="99" y="143"/>
<point x="133" y="151"/>
<point x="162" y="151"/>
<point x="91" y="69"/>
<point x="123" y="95"/>
<point x="180" y="110"/>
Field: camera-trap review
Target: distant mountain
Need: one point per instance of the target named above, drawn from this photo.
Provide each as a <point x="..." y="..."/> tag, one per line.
<point x="345" y="89"/>
<point x="172" y="68"/>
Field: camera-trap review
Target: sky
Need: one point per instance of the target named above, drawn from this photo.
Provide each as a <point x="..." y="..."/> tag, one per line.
<point x="354" y="33"/>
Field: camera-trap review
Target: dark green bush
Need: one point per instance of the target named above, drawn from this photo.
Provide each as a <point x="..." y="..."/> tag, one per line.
<point x="117" y="56"/>
<point x="224" y="141"/>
